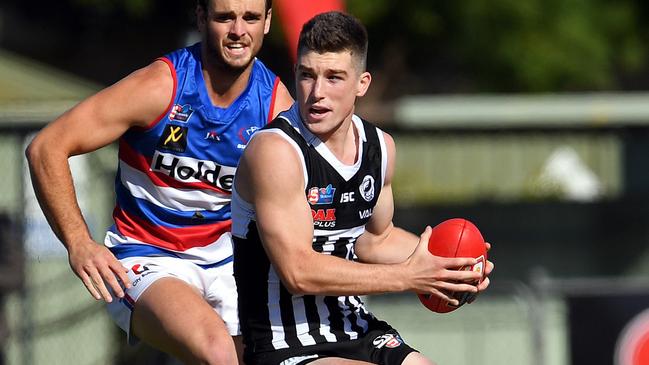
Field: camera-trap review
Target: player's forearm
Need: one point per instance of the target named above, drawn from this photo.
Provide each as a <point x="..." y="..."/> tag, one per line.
<point x="328" y="275"/>
<point x="54" y="189"/>
<point x="393" y="247"/>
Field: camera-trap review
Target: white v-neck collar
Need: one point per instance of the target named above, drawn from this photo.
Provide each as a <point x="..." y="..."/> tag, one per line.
<point x="346" y="171"/>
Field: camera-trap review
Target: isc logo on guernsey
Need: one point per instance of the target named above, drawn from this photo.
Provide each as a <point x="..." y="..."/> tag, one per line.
<point x="187" y="169"/>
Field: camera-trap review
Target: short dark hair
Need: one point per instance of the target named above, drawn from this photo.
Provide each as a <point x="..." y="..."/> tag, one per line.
<point x="203" y="4"/>
<point x="334" y="32"/>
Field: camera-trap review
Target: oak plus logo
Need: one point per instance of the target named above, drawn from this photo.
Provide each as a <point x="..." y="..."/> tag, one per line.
<point x="187" y="169"/>
<point x="324" y="218"/>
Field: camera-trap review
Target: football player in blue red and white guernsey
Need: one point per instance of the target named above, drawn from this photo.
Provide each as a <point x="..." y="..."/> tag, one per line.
<point x="182" y="123"/>
<point x="312" y="221"/>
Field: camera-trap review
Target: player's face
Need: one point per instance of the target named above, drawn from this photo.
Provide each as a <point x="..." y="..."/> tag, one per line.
<point x="233" y="31"/>
<point x="327" y="87"/>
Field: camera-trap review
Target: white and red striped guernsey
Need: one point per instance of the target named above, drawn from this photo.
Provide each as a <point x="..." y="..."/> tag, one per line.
<point x="174" y="180"/>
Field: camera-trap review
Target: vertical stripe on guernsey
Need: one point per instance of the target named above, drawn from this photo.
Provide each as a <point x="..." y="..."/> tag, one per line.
<point x="274" y="310"/>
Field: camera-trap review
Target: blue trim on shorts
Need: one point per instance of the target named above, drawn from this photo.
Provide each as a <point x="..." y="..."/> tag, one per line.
<point x="125" y="250"/>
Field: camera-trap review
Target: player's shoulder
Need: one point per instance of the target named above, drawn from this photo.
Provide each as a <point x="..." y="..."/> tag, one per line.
<point x="270" y="138"/>
<point x="148" y="91"/>
<point x="387" y="137"/>
<point x="158" y="73"/>
<point x="275" y="140"/>
<point x="271" y="154"/>
<point x="283" y="98"/>
<point x="155" y="80"/>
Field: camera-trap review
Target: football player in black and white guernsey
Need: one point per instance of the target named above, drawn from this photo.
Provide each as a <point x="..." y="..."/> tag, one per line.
<point x="312" y="220"/>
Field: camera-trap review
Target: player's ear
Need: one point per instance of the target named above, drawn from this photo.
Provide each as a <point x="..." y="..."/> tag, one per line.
<point x="201" y="17"/>
<point x="269" y="15"/>
<point x="364" y="82"/>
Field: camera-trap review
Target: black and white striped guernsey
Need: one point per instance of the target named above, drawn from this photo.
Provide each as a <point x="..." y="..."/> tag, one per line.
<point x="342" y="199"/>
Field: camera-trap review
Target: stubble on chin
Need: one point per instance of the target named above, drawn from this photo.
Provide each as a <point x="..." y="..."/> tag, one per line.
<point x="219" y="61"/>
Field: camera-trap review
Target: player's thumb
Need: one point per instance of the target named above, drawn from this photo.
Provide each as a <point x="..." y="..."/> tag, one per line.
<point x="423" y="239"/>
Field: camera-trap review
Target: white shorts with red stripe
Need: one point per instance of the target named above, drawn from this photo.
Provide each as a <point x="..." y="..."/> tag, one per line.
<point x="214" y="282"/>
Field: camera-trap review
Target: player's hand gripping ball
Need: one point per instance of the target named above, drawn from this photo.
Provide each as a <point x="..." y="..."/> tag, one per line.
<point x="455" y="237"/>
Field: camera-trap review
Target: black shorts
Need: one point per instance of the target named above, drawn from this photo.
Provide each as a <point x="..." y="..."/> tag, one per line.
<point x="382" y="344"/>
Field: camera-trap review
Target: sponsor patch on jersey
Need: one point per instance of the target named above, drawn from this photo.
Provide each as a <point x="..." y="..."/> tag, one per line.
<point x="212" y="136"/>
<point x="191" y="170"/>
<point x="324" y="218"/>
<point x="388" y="340"/>
<point x="365" y="213"/>
<point x="246" y="133"/>
<point x="181" y="113"/>
<point x="321" y="195"/>
<point x="174" y="138"/>
<point x="347" y="197"/>
<point x="367" y="188"/>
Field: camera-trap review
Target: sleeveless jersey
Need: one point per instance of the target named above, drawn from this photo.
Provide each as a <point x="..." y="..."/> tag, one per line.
<point x="341" y="198"/>
<point x="174" y="179"/>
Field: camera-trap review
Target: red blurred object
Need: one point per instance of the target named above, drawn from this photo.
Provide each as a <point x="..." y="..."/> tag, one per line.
<point x="294" y="13"/>
<point x="455" y="237"/>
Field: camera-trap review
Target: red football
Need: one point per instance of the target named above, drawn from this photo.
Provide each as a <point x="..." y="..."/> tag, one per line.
<point x="455" y="237"/>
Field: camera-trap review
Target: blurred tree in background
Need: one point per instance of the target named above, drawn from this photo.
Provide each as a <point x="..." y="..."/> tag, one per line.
<point x="543" y="45"/>
<point x="504" y="45"/>
<point x="416" y="46"/>
<point x="134" y="8"/>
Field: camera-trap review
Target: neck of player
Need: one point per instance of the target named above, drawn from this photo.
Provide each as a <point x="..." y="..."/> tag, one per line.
<point x="224" y="84"/>
<point x="343" y="141"/>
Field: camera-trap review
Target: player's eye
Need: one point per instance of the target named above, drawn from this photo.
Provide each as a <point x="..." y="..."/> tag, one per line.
<point x="305" y="75"/>
<point x="335" y="77"/>
<point x="223" y="17"/>
<point x="252" y="18"/>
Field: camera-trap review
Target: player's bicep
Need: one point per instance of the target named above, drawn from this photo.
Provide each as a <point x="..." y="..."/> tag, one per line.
<point x="381" y="219"/>
<point x="272" y="179"/>
<point x="100" y="119"/>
